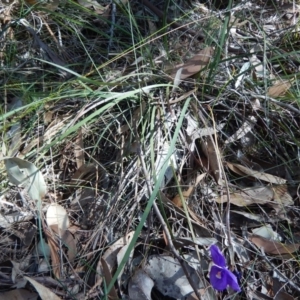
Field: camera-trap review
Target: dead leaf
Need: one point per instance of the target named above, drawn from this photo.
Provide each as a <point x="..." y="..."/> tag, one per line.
<point x="36" y="142"/>
<point x="279" y="88"/>
<point x="70" y="242"/>
<point x="242" y="198"/>
<point x="15" y="271"/>
<point x="25" y="173"/>
<point x="276" y="290"/>
<point x="162" y="158"/>
<point x="213" y="159"/>
<point x="245" y="128"/>
<point x="111" y="259"/>
<point x="43" y="249"/>
<point x="195" y="132"/>
<point x="243" y="171"/>
<point x="271" y="195"/>
<point x="99" y="9"/>
<point x="44" y="292"/>
<point x="258" y="66"/>
<point x="19" y="294"/>
<point x="255" y="295"/>
<point x="111" y="254"/>
<point x="194" y="64"/>
<point x="83" y="174"/>
<point x="54" y="253"/>
<point x="48" y="113"/>
<point x="122" y="252"/>
<point x="25" y="231"/>
<point x="57" y="218"/>
<point x="107" y="275"/>
<point x="180" y="213"/>
<point x="200" y="241"/>
<point x="272" y="247"/>
<point x="161" y="269"/>
<point x="177" y="80"/>
<point x="140" y="286"/>
<point x="281" y="195"/>
<point x="78" y="149"/>
<point x="6" y="3"/>
<point x="186" y="194"/>
<point x="281" y="295"/>
<point x="267" y="232"/>
<point x="55" y="127"/>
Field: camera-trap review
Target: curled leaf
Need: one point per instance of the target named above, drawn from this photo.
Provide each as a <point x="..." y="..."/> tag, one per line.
<point x="194" y="64"/>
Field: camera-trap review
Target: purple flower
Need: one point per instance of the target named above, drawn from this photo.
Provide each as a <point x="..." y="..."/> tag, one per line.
<point x="220" y="276"/>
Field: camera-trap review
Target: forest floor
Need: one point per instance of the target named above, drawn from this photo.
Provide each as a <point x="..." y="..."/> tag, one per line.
<point x="136" y="135"/>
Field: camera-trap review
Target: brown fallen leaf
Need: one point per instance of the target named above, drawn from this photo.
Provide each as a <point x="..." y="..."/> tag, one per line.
<point x="279" y="88"/>
<point x="19" y="294"/>
<point x="99" y="9"/>
<point x="243" y="171"/>
<point x="108" y="277"/>
<point x="70" y="242"/>
<point x="273" y="247"/>
<point x="213" y="158"/>
<point x="194" y="64"/>
<point x="186" y="194"/>
<point x="54" y="253"/>
<point x="275" y="196"/>
<point x="276" y="290"/>
<point x="282" y="195"/>
<point x="110" y="257"/>
<point x="78" y="149"/>
<point x="43" y="291"/>
<point x="111" y="254"/>
<point x="180" y="213"/>
<point x="84" y="174"/>
<point x="261" y="195"/>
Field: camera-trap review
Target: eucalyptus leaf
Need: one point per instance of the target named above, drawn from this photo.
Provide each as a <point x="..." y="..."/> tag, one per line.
<point x="24" y="173"/>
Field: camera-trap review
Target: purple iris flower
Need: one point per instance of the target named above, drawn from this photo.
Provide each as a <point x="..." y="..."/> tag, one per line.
<point x="220" y="277"/>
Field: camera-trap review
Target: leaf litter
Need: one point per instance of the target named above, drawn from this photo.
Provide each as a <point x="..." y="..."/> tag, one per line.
<point x="79" y="178"/>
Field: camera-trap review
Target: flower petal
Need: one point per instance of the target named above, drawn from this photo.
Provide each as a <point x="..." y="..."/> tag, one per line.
<point x="232" y="281"/>
<point x="218" y="278"/>
<point x="217" y="256"/>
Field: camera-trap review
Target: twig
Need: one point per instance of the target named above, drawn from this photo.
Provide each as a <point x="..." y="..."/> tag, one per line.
<point x="165" y="228"/>
<point x="279" y="103"/>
